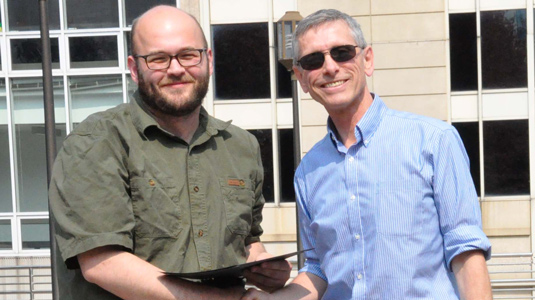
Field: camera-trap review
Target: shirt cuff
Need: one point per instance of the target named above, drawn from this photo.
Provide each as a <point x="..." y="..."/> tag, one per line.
<point x="79" y="246"/>
<point x="313" y="267"/>
<point x="465" y="238"/>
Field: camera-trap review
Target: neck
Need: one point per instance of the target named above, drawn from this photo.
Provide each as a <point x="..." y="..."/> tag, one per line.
<point x="183" y="127"/>
<point x="346" y="120"/>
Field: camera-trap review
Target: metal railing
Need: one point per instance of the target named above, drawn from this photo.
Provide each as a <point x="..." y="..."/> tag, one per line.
<point x="25" y="282"/>
<point x="511" y="276"/>
<point x="511" y="273"/>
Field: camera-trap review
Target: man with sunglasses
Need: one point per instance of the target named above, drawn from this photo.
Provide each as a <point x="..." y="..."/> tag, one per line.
<point x="386" y="198"/>
<point x="159" y="185"/>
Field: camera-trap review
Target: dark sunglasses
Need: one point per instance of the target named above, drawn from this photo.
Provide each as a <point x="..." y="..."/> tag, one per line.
<point x="315" y="60"/>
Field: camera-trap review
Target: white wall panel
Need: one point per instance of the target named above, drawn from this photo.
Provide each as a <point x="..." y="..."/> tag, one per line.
<point x="501" y="4"/>
<point x="505" y="106"/>
<point x="238" y="11"/>
<point x="280" y="7"/>
<point x="462" y="5"/>
<point x="284" y="114"/>
<point x="245" y="115"/>
<point x="464" y="108"/>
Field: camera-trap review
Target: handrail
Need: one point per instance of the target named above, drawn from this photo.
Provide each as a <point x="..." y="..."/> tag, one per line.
<point x="25" y="284"/>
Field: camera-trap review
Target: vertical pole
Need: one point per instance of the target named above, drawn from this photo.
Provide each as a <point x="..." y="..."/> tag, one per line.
<point x="50" y="130"/>
<point x="297" y="160"/>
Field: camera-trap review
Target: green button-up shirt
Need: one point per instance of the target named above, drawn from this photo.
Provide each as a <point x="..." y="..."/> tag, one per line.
<point x="120" y="179"/>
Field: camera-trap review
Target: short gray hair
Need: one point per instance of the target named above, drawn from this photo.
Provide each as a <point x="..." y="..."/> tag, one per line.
<point x="321" y="17"/>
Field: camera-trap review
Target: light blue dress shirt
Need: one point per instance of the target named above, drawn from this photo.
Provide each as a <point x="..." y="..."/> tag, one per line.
<point x="387" y="216"/>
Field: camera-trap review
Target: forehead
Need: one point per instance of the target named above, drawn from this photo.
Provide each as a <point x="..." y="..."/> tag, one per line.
<point x="168" y="33"/>
<point x="326" y="36"/>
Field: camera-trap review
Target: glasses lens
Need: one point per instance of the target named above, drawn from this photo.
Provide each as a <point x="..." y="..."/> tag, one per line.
<point x="312" y="61"/>
<point x="343" y="53"/>
<point x="189" y="57"/>
<point x="158" y="61"/>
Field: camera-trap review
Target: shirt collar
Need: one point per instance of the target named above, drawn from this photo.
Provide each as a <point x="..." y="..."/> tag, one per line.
<point x="371" y="120"/>
<point x="366" y="127"/>
<point x="143" y="119"/>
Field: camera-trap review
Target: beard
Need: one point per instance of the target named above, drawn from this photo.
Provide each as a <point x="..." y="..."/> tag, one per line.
<point x="174" y="104"/>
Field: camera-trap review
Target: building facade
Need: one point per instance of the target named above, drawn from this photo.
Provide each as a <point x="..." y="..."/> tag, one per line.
<point x="467" y="62"/>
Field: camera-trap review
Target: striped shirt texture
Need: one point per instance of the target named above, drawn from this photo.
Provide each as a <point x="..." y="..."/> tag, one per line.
<point x="387" y="216"/>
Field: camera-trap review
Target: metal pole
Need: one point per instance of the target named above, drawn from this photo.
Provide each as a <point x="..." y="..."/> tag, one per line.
<point x="50" y="130"/>
<point x="297" y="160"/>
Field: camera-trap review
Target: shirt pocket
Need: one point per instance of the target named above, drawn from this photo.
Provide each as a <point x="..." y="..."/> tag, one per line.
<point x="155" y="209"/>
<point x="238" y="200"/>
<point x="399" y="208"/>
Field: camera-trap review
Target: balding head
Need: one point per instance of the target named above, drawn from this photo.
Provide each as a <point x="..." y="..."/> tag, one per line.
<point x="160" y="17"/>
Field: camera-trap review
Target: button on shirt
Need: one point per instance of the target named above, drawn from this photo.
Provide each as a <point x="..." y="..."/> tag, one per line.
<point x="387" y="216"/>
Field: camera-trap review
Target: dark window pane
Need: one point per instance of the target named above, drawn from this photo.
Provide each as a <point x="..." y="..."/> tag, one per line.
<point x="92" y="14"/>
<point x="286" y="164"/>
<point x="241" y="60"/>
<point x="463" y="52"/>
<point x="35" y="234"/>
<point x="506" y="157"/>
<point x="24" y="14"/>
<point x="284" y="82"/>
<point x="93" y="52"/>
<point x="503" y="49"/>
<point x="264" y="137"/>
<point x="128" y="45"/>
<point x="284" y="79"/>
<point x="469" y="132"/>
<point x="26" y="54"/>
<point x="134" y="8"/>
<point x="5" y="235"/>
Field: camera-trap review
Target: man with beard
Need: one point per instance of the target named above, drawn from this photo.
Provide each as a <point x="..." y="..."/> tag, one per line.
<point x="158" y="184"/>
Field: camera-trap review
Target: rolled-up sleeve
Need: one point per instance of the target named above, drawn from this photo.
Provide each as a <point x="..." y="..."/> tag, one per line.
<point x="312" y="262"/>
<point x="456" y="199"/>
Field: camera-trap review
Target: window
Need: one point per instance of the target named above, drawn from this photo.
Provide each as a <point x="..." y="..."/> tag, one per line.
<point x="35" y="234"/>
<point x="241" y="56"/>
<point x="469" y="132"/>
<point x="26" y="54"/>
<point x="506" y="161"/>
<point x="285" y="165"/>
<point x="88" y="42"/>
<point x="5" y="235"/>
<point x="463" y="52"/>
<point x="90" y="94"/>
<point x="24" y="15"/>
<point x="503" y="49"/>
<point x="93" y="52"/>
<point x="492" y="122"/>
<point x="5" y="168"/>
<point x="134" y="8"/>
<point x="30" y="141"/>
<point x="92" y="14"/>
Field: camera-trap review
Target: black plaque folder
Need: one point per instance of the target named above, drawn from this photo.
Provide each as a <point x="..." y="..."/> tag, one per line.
<point x="232" y="271"/>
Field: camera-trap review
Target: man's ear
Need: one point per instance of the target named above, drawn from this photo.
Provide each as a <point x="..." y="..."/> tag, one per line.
<point x="132" y="66"/>
<point x="368" y="61"/>
<point x="302" y="81"/>
<point x="210" y="58"/>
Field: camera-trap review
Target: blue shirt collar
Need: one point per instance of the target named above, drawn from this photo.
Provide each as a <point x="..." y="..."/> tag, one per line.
<point x="365" y="128"/>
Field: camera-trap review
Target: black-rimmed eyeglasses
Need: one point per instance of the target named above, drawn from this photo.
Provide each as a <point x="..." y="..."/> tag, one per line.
<point x="315" y="60"/>
<point x="161" y="61"/>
